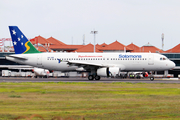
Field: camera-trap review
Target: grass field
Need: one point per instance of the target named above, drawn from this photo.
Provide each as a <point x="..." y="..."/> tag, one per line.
<point x="90" y="101"/>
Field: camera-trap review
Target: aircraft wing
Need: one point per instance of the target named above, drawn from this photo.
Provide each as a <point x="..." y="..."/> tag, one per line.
<point x="90" y="66"/>
<point x="85" y="65"/>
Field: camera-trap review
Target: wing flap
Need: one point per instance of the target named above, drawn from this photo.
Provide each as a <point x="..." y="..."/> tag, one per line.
<point x="83" y="64"/>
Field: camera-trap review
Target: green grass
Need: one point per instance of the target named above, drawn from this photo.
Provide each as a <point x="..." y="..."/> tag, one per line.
<point x="93" y="101"/>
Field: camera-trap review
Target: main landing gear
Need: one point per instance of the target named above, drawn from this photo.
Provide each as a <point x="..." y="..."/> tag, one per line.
<point x="91" y="77"/>
<point x="152" y="78"/>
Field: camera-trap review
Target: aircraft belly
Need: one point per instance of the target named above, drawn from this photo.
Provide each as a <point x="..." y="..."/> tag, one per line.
<point x="32" y="63"/>
<point x="135" y="67"/>
<point x="63" y="66"/>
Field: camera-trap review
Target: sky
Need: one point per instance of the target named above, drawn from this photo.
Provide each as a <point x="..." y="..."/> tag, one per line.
<point x="127" y="21"/>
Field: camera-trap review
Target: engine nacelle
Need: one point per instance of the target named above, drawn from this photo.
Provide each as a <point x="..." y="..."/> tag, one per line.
<point x="103" y="72"/>
<point x="106" y="72"/>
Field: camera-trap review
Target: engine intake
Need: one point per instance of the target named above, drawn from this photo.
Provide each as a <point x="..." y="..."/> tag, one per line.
<point x="109" y="71"/>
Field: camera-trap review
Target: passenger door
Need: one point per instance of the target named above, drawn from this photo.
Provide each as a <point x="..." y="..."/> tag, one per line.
<point x="39" y="60"/>
<point x="151" y="60"/>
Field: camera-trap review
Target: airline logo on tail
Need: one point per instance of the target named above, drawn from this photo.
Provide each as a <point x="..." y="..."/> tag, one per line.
<point x="21" y="44"/>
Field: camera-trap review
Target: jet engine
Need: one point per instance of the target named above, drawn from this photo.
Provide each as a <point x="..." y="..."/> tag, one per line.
<point x="109" y="71"/>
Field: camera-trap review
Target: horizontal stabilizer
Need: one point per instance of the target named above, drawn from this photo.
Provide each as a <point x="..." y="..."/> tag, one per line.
<point x="17" y="57"/>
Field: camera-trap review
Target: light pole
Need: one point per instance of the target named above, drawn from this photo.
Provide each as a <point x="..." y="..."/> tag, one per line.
<point x="162" y="37"/>
<point x="94" y="32"/>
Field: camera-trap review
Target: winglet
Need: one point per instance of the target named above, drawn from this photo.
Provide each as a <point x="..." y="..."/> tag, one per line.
<point x="21" y="44"/>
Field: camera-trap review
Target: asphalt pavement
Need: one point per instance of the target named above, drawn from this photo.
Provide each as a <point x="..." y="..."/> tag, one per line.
<point x="103" y="80"/>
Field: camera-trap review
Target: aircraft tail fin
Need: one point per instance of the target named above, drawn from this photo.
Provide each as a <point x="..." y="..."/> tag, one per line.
<point x="21" y="44"/>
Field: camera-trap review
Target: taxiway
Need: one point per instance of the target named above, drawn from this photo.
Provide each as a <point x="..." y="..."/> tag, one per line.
<point x="103" y="80"/>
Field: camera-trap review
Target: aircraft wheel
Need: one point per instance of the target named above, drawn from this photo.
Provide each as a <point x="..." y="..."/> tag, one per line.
<point x="90" y="77"/>
<point x="151" y="78"/>
<point x="97" y="77"/>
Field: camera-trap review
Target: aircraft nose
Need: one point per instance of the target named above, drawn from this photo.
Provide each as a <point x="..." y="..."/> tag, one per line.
<point x="172" y="64"/>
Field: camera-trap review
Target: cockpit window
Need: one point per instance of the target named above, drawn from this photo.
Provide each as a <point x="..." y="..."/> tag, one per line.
<point x="163" y="58"/>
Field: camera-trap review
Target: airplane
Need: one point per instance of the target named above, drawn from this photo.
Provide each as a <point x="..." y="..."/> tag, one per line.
<point x="96" y="64"/>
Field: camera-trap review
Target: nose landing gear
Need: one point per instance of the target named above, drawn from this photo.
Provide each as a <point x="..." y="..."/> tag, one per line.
<point x="151" y="78"/>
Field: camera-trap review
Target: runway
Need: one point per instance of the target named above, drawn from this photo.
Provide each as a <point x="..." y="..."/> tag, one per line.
<point x="103" y="80"/>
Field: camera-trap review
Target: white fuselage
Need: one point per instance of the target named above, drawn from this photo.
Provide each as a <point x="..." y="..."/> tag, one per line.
<point x="125" y="61"/>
